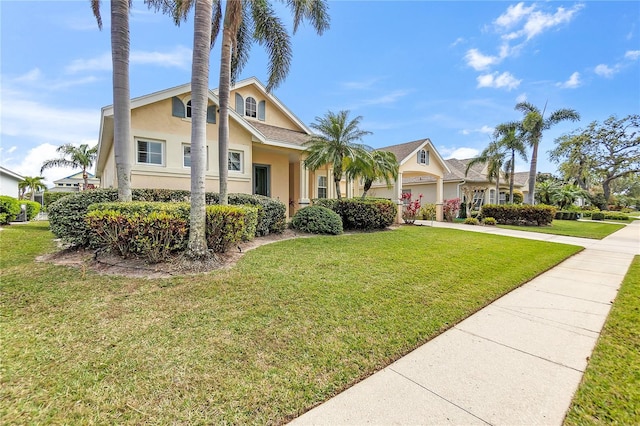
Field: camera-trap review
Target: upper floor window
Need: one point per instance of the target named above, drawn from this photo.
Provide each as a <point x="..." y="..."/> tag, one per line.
<point x="423" y="156"/>
<point x="250" y="109"/>
<point x="149" y="152"/>
<point x="235" y="161"/>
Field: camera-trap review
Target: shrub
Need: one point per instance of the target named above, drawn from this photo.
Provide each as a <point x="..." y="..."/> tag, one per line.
<point x="489" y="221"/>
<point x="52" y="197"/>
<point x="411" y="208"/>
<point x="471" y="221"/>
<point x="512" y="214"/>
<point x="9" y="209"/>
<point x="153" y="234"/>
<point x="226" y="226"/>
<point x="566" y="215"/>
<point x="450" y="209"/>
<point x="317" y="220"/>
<point x="33" y="208"/>
<point x="428" y="212"/>
<point x="365" y="214"/>
<point x="251" y="221"/>
<point x="518" y="197"/>
<point x="330" y="203"/>
<point x="597" y="216"/>
<point x="615" y="216"/>
<point x="181" y="210"/>
<point x="66" y="216"/>
<point x="272" y="216"/>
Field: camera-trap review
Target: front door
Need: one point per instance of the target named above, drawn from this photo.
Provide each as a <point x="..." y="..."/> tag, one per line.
<point x="262" y="179"/>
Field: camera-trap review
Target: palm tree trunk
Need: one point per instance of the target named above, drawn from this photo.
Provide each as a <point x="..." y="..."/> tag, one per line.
<point x="512" y="174"/>
<point x="532" y="174"/>
<point x="197" y="246"/>
<point x="121" y="98"/>
<point x="336" y="181"/>
<point x="232" y="19"/>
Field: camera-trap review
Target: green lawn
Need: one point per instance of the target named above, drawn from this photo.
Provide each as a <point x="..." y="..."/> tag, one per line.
<point x="610" y="389"/>
<point x="292" y="324"/>
<point x="572" y="228"/>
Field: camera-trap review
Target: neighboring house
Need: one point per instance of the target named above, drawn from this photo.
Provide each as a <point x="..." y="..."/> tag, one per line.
<point x="9" y="182"/>
<point x="454" y="182"/>
<point x="265" y="145"/>
<point x="74" y="183"/>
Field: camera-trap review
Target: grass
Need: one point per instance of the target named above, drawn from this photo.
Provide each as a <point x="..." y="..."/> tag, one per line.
<point x="610" y="389"/>
<point x="572" y="228"/>
<point x="292" y="324"/>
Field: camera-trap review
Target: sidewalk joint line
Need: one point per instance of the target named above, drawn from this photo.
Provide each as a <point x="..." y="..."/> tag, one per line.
<point x="521" y="351"/>
<point x="550" y="320"/>
<point x="440" y="396"/>
<point x="574" y="297"/>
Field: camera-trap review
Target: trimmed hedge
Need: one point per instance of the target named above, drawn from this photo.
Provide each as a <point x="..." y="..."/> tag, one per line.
<point x="52" y="197"/>
<point x="33" y="208"/>
<point x="512" y="214"/>
<point x="317" y="220"/>
<point x="597" y="216"/>
<point x="566" y="215"/>
<point x="615" y="216"/>
<point x="9" y="209"/>
<point x="367" y="214"/>
<point x="66" y="216"/>
<point x="226" y="225"/>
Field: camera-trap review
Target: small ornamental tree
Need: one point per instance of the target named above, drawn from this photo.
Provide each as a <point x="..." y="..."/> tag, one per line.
<point x="450" y="209"/>
<point x="411" y="208"/>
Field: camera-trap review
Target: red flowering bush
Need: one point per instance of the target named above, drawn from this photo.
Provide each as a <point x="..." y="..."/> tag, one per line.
<point x="450" y="209"/>
<point x="411" y="208"/>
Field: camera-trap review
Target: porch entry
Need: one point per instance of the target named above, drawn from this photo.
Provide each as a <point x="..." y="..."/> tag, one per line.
<point x="262" y="179"/>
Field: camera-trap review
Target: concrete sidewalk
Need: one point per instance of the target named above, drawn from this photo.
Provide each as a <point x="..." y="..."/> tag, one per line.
<point x="516" y="362"/>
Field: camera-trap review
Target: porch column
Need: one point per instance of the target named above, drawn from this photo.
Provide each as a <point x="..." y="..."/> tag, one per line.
<point x="349" y="188"/>
<point x="398" y="200"/>
<point x="439" y="198"/>
<point x="304" y="186"/>
<point x="331" y="185"/>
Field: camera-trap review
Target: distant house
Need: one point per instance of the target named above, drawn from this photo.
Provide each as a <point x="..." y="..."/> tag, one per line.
<point x="74" y="183"/>
<point x="454" y="182"/>
<point x="9" y="182"/>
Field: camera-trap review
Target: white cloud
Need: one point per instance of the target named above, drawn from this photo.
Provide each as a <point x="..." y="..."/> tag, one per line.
<point x="572" y="83"/>
<point x="605" y="71"/>
<point x="179" y="57"/>
<point x="458" y="41"/>
<point x="521" y="98"/>
<point x="483" y="130"/>
<point x="498" y="81"/>
<point x="632" y="54"/>
<point x="33" y="75"/>
<point x="479" y="61"/>
<point x="459" y="153"/>
<point x="513" y="15"/>
<point x="361" y="85"/>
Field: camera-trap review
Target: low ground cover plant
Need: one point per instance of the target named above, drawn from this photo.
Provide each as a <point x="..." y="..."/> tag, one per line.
<point x="610" y="391"/>
<point x="317" y="220"/>
<point x="289" y="326"/>
<point x="490" y="221"/>
<point x="471" y="221"/>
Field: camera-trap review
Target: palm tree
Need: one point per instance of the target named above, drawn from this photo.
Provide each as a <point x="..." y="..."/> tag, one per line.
<point x="255" y="20"/>
<point x="77" y="157"/>
<point x="335" y="144"/>
<point x="494" y="157"/>
<point x="378" y="165"/>
<point x="548" y="192"/>
<point x="121" y="93"/>
<point x="34" y="184"/>
<point x="533" y="124"/>
<point x="512" y="142"/>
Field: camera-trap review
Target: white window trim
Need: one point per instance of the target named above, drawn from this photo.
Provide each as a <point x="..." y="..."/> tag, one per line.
<point x="426" y="157"/>
<point x="241" y="161"/>
<point x="325" y="187"/>
<point x="185" y="145"/>
<point x="162" y="153"/>
<point x="255" y="107"/>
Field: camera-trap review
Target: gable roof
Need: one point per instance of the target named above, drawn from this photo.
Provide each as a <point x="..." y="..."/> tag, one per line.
<point x="9" y="173"/>
<point x="273" y="98"/>
<point x="77" y="175"/>
<point x="276" y="135"/>
<point x="405" y="151"/>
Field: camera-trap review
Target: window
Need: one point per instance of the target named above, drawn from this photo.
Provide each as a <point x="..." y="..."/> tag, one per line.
<point x="150" y="152"/>
<point x="189" y="109"/>
<point x="478" y="198"/>
<point x="250" y="107"/>
<point x="492" y="196"/>
<point x="322" y="187"/>
<point x="186" y="156"/>
<point x="235" y="161"/>
<point x="423" y="156"/>
<point x="503" y="198"/>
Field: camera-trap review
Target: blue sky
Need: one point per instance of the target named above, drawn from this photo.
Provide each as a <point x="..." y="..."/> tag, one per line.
<point x="450" y="71"/>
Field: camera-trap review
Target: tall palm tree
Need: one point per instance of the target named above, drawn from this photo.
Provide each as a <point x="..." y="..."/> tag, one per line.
<point x="120" y="47"/>
<point x="509" y="139"/>
<point x="34" y="184"/>
<point x="493" y="156"/>
<point x="77" y="157"/>
<point x="336" y="144"/>
<point x="255" y="20"/>
<point x="378" y="165"/>
<point x="533" y="124"/>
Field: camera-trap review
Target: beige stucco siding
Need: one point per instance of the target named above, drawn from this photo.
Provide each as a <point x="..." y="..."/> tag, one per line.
<point x="279" y="170"/>
<point x="411" y="167"/>
<point x="273" y="115"/>
<point x="108" y="178"/>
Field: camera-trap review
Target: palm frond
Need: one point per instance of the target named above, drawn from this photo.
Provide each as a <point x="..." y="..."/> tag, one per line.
<point x="95" y="8"/>
<point x="270" y="32"/>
